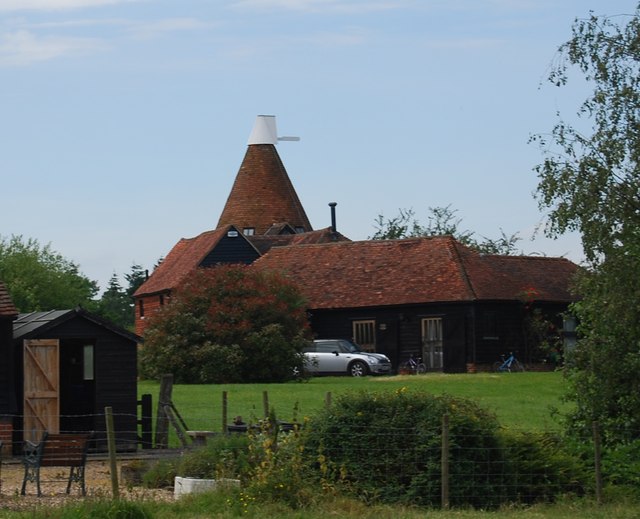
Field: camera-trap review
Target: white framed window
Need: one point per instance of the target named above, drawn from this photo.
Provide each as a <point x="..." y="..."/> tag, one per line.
<point x="249" y="231"/>
<point x="432" y="342"/>
<point x="87" y="356"/>
<point x="364" y="334"/>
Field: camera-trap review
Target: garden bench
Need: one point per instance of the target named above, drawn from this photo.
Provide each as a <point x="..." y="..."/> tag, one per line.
<point x="56" y="450"/>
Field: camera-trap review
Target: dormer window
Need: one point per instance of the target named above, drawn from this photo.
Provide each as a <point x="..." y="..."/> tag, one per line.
<point x="299" y="230"/>
<point x="249" y="231"/>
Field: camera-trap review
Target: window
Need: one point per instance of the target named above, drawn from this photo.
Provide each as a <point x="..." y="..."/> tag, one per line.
<point x="141" y="308"/>
<point x="299" y="230"/>
<point x="327" y="347"/>
<point x="87" y="356"/>
<point x="364" y="334"/>
<point x="161" y="299"/>
<point x="249" y="231"/>
<point x="432" y="342"/>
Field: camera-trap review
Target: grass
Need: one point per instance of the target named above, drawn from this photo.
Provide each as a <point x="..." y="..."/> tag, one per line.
<point x="520" y="400"/>
<point x="225" y="506"/>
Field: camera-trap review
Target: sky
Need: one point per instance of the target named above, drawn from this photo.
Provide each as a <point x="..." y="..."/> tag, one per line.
<point x="123" y="122"/>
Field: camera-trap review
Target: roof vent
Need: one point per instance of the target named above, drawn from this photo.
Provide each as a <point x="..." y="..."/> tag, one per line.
<point x="264" y="131"/>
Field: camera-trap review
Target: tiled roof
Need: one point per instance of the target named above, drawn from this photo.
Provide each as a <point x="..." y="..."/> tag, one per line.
<point x="267" y="241"/>
<point x="188" y="253"/>
<point x="183" y="259"/>
<point x="263" y="194"/>
<point x="373" y="273"/>
<point x="7" y="309"/>
<point x="511" y="277"/>
<point x="412" y="271"/>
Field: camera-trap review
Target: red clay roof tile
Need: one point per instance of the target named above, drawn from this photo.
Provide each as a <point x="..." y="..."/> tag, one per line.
<point x="184" y="258"/>
<point x="7" y="308"/>
<point x="411" y="271"/>
<point x="262" y="194"/>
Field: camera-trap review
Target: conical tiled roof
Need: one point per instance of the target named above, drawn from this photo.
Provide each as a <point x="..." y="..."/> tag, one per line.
<point x="263" y="194"/>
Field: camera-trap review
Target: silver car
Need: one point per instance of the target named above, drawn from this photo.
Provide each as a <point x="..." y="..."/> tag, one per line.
<point x="340" y="356"/>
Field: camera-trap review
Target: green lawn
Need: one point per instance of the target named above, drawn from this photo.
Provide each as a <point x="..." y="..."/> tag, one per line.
<point x="520" y="400"/>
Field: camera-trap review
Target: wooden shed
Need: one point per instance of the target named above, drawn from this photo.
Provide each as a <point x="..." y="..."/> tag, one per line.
<point x="70" y="365"/>
<point x="8" y="314"/>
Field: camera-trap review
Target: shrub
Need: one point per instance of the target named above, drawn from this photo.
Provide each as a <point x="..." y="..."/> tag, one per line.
<point x="161" y="474"/>
<point x="621" y="465"/>
<point x="227" y="324"/>
<point x="386" y="447"/>
<point x="222" y="457"/>
<point x="279" y="473"/>
<point x="541" y="466"/>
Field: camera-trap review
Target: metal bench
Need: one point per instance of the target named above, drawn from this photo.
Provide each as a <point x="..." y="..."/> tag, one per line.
<point x="56" y="450"/>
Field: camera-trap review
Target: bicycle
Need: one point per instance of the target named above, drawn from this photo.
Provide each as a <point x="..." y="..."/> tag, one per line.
<point x="509" y="364"/>
<point x="415" y="365"/>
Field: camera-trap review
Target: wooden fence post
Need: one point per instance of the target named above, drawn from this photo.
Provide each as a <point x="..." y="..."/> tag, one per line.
<point x="145" y="422"/>
<point x="111" y="442"/>
<point x="224" y="412"/>
<point x="162" y="421"/>
<point x="327" y="399"/>
<point x="265" y="404"/>
<point x="445" y="462"/>
<point x="597" y="455"/>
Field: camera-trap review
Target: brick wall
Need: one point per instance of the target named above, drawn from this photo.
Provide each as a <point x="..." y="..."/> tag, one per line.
<point x="6" y="432"/>
<point x="150" y="304"/>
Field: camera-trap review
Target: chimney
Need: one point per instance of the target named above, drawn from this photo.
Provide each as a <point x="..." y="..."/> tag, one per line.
<point x="333" y="205"/>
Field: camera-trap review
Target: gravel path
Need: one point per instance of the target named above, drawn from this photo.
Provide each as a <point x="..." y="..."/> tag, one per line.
<point x="54" y="484"/>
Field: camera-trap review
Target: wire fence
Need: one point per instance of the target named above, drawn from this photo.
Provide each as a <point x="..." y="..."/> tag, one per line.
<point x="444" y="466"/>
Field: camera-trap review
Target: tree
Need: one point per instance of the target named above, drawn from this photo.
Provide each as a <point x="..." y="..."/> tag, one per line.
<point x="116" y="303"/>
<point x="590" y="182"/>
<point x="441" y="221"/>
<point x="40" y="279"/>
<point x="135" y="278"/>
<point x="228" y="323"/>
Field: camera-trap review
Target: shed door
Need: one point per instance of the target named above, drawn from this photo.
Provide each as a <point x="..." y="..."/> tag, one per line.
<point x="41" y="388"/>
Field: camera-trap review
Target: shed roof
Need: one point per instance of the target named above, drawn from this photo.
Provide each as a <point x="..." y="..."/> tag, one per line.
<point x="35" y="324"/>
<point x="413" y="271"/>
<point x="7" y="308"/>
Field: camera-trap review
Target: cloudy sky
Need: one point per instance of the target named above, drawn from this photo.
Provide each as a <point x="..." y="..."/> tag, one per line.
<point x="123" y="122"/>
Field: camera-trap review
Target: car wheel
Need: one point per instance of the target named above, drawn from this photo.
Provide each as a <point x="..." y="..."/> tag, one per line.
<point x="358" y="369"/>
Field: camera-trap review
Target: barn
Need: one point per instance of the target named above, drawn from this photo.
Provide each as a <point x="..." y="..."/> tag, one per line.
<point x="427" y="297"/>
<point x="69" y="366"/>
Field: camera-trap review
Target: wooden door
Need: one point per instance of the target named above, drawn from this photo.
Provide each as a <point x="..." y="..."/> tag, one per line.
<point x="432" y="344"/>
<point x="41" y="388"/>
